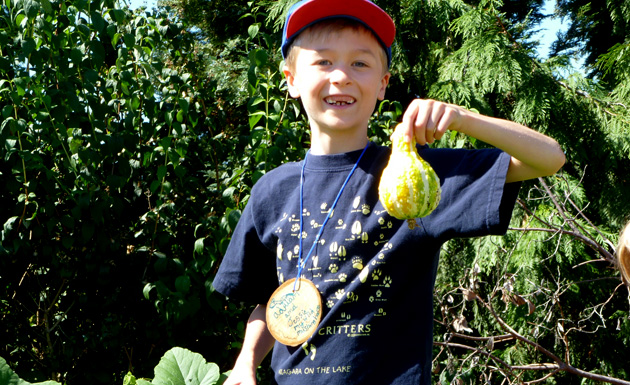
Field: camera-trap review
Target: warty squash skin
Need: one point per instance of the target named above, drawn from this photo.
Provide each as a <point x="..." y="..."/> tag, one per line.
<point x="409" y="187"/>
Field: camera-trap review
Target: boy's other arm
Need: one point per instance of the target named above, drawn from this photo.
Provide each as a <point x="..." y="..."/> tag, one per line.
<point x="256" y="345"/>
<point x="533" y="154"/>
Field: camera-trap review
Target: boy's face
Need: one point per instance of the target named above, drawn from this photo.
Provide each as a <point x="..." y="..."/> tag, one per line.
<point x="339" y="76"/>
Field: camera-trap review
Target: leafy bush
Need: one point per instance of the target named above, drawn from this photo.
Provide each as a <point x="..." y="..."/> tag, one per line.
<point x="178" y="366"/>
<point x="121" y="176"/>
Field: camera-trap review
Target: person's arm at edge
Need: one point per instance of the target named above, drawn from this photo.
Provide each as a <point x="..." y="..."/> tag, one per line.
<point x="256" y="345"/>
<point x="533" y="154"/>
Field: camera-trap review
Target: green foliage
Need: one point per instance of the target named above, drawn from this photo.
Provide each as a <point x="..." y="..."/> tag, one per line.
<point x="9" y="377"/>
<point x="131" y="141"/>
<point x="120" y="175"/>
<point x="178" y="366"/>
<point x="594" y="27"/>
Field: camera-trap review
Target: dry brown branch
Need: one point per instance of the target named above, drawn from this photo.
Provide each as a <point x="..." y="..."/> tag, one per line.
<point x="561" y="364"/>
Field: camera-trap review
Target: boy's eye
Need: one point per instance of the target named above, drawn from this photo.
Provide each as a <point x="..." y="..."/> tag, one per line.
<point x="323" y="62"/>
<point x="360" y="64"/>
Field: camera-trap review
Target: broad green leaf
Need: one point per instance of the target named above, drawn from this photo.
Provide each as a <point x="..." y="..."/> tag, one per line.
<point x="146" y="291"/>
<point x="46" y="6"/>
<point x="182" y="284"/>
<point x="98" y="53"/>
<point x="180" y="366"/>
<point x="31" y="7"/>
<point x="184" y="104"/>
<point x="255" y="117"/>
<point x="253" y="29"/>
<point x="233" y="218"/>
<point x="161" y="172"/>
<point x="129" y="379"/>
<point x="9" y="377"/>
<point x="8" y="225"/>
<point x="28" y="45"/>
<point x="199" y="245"/>
<point x="228" y="197"/>
<point x="19" y="18"/>
<point x="98" y="21"/>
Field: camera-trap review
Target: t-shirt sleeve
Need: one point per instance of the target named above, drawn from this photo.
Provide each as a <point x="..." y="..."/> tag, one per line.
<point x="476" y="200"/>
<point x="247" y="272"/>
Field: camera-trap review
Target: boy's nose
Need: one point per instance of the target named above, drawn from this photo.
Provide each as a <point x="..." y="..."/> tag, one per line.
<point x="340" y="76"/>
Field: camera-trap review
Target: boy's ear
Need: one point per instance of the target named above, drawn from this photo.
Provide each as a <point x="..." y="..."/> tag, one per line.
<point x="293" y="89"/>
<point x="384" y="83"/>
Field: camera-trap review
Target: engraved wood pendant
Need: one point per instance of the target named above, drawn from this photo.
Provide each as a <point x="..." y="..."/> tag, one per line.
<point x="293" y="316"/>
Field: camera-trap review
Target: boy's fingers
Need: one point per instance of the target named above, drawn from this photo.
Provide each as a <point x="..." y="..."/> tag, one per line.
<point x="406" y="129"/>
<point x="433" y="125"/>
<point x="419" y="121"/>
<point x="409" y="120"/>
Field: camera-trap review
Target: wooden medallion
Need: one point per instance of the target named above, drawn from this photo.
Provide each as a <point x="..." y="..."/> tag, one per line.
<point x="293" y="316"/>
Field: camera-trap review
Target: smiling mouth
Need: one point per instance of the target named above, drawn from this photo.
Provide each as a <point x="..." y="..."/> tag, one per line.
<point x="340" y="101"/>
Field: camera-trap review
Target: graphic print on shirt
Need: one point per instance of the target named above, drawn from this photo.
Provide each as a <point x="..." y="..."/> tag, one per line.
<point x="348" y="265"/>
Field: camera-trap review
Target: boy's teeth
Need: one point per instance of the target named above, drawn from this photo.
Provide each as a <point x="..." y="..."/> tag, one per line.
<point x="339" y="102"/>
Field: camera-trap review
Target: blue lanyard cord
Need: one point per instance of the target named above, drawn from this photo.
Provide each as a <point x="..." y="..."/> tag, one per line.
<point x="332" y="208"/>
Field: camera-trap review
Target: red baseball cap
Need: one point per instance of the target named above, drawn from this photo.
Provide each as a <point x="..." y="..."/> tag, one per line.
<point x="308" y="12"/>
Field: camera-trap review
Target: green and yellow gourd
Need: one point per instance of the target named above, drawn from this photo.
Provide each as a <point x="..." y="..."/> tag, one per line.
<point x="409" y="187"/>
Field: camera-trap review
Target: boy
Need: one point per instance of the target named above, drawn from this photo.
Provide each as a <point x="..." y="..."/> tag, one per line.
<point x="375" y="275"/>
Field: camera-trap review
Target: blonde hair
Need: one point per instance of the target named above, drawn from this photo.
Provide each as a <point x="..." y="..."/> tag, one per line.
<point x="328" y="27"/>
<point x="623" y="253"/>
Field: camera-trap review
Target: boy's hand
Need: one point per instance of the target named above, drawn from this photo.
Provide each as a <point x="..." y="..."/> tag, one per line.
<point x="428" y="120"/>
<point x="239" y="378"/>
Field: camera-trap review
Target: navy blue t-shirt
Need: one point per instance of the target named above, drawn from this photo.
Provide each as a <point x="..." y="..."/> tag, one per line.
<point x="375" y="275"/>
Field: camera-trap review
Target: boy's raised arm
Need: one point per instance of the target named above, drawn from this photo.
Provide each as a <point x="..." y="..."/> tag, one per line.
<point x="533" y="154"/>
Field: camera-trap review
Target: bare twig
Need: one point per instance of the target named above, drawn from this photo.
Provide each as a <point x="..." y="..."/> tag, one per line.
<point x="561" y="365"/>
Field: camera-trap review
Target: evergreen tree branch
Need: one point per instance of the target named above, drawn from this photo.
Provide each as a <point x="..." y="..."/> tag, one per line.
<point x="577" y="231"/>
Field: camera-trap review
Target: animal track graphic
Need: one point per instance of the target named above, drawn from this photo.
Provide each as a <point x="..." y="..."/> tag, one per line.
<point x="376" y="274"/>
<point x="333" y="268"/>
<point x="340" y="293"/>
<point x="357" y="263"/>
<point x="357" y="228"/>
<point x="337" y="250"/>
<point x="343" y="277"/>
<point x="330" y="303"/>
<point x="312" y="350"/>
<point x="279" y="251"/>
<point x="387" y="281"/>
